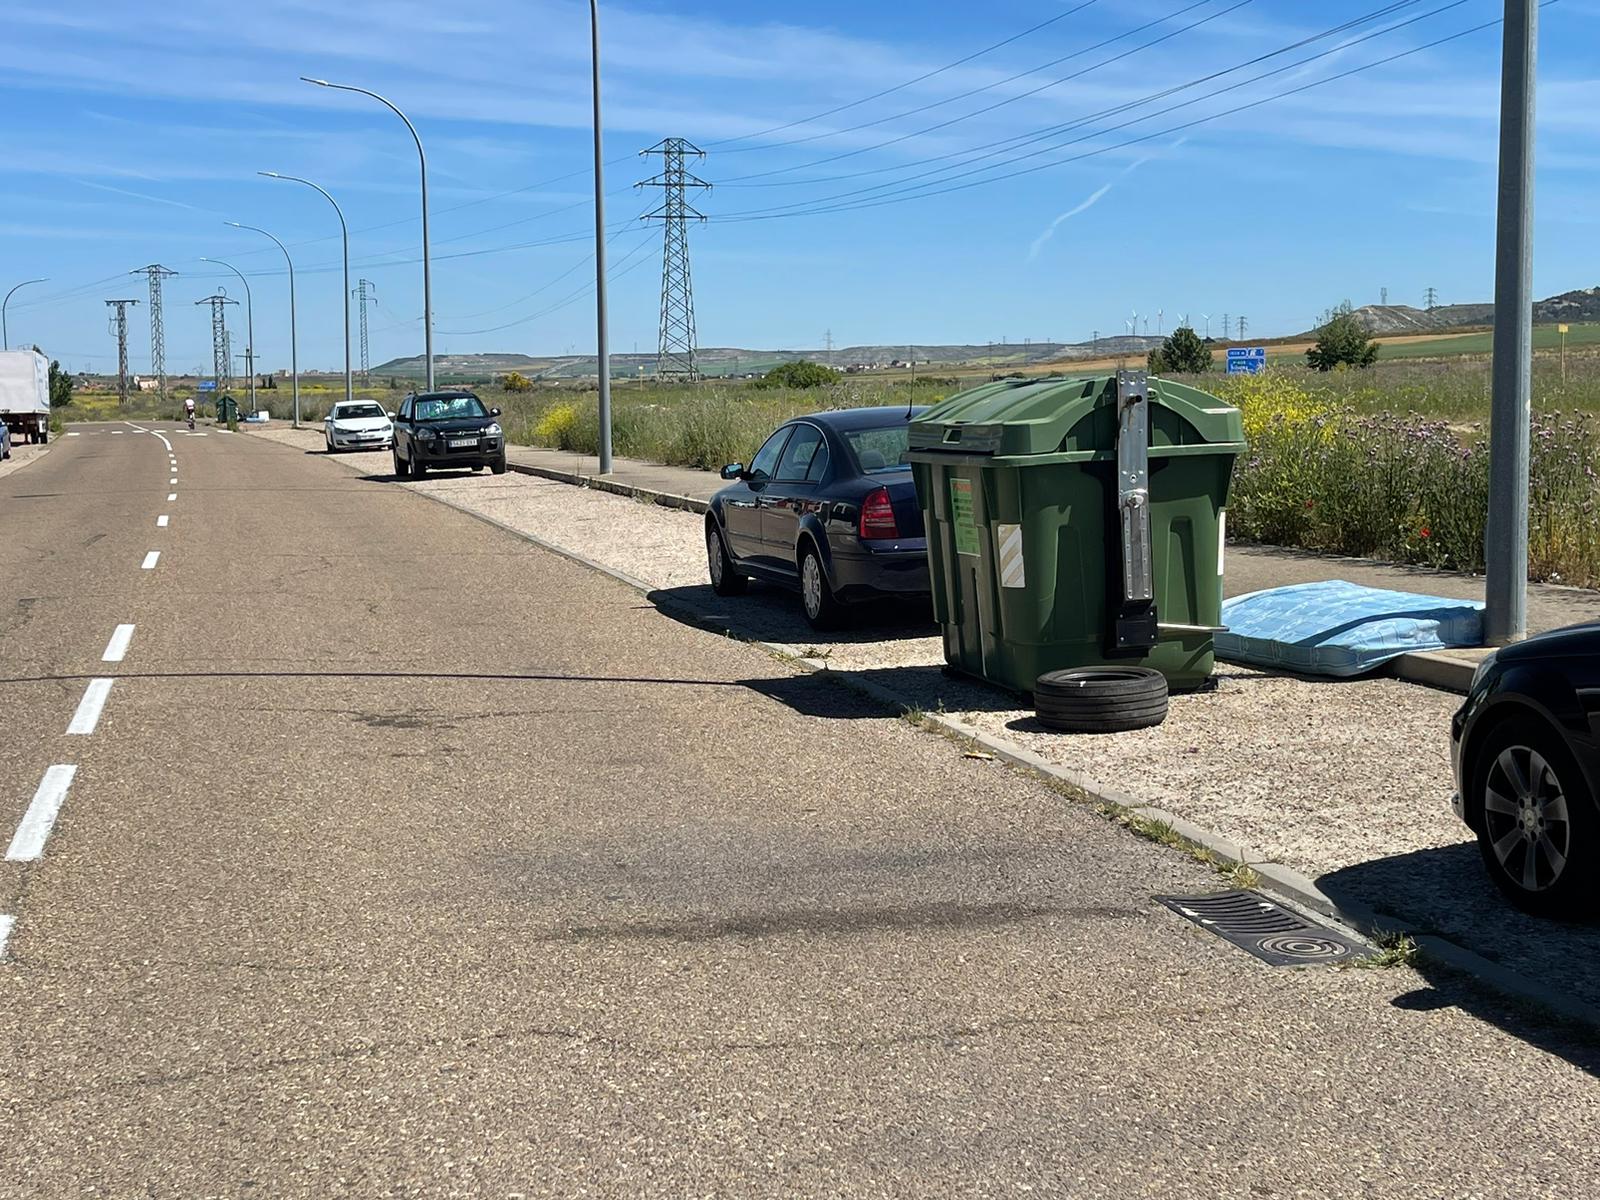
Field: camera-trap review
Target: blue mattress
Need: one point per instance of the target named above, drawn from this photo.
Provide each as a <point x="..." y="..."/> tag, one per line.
<point x="1341" y="629"/>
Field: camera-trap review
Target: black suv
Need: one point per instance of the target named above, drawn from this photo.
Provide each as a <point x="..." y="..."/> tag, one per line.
<point x="448" y="430"/>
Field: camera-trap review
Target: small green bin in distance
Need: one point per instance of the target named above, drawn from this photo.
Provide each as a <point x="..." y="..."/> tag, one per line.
<point x="1019" y="486"/>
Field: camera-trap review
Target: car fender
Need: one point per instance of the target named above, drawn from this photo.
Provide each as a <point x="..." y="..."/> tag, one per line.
<point x="814" y="531"/>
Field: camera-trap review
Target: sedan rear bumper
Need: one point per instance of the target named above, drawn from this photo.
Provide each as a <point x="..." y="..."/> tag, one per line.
<point x="899" y="569"/>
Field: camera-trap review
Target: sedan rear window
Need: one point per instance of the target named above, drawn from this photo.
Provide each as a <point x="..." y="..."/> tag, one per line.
<point x="353" y="412"/>
<point x="879" y="449"/>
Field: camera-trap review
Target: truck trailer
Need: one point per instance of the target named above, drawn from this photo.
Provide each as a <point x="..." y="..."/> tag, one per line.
<point x="25" y="394"/>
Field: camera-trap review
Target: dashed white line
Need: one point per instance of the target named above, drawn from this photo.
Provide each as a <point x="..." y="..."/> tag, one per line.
<point x="6" y="924"/>
<point x="161" y="521"/>
<point x="151" y="559"/>
<point x="90" y="707"/>
<point x="173" y="496"/>
<point x="119" y="431"/>
<point x="28" y="842"/>
<point x="70" y="433"/>
<point x="172" y="481"/>
<point x="118" y="645"/>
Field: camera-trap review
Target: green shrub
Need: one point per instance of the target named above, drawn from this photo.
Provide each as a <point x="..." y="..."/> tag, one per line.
<point x="799" y="374"/>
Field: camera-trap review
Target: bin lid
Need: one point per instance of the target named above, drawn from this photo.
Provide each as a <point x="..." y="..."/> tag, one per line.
<point x="1067" y="415"/>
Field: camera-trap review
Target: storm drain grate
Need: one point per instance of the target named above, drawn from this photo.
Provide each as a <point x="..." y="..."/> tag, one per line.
<point x="1271" y="932"/>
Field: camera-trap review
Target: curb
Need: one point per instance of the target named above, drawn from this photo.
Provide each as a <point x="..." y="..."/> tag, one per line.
<point x="1283" y="882"/>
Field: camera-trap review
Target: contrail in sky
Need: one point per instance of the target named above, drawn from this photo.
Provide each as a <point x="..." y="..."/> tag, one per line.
<point x="1094" y="198"/>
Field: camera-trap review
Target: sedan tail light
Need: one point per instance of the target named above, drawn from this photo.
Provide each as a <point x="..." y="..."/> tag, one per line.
<point x="877" y="516"/>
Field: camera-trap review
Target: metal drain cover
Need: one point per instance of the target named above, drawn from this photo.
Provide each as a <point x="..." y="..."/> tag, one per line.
<point x="1274" y="934"/>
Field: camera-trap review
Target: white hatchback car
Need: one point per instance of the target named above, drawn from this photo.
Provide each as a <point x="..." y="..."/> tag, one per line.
<point x="358" y="425"/>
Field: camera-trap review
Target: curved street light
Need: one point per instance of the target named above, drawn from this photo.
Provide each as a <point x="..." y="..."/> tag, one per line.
<point x="422" y="158"/>
<point x="344" y="232"/>
<point x="294" y="342"/>
<point x="5" y="333"/>
<point x="249" y="325"/>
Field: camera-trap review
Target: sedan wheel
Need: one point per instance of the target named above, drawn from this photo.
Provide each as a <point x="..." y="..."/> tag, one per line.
<point x="1537" y="833"/>
<point x="725" y="581"/>
<point x="816" y="596"/>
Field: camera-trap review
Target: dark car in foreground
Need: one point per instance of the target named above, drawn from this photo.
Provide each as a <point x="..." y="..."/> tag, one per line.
<point x="1524" y="747"/>
<point x="449" y="431"/>
<point x="825" y="506"/>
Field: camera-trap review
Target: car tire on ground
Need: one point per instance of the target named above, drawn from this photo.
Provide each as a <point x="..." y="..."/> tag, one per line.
<point x="1537" y="828"/>
<point x="817" y="600"/>
<point x="1101" y="699"/>
<point x="498" y="468"/>
<point x="725" y="581"/>
<point x="418" y="468"/>
<point x="328" y="442"/>
<point x="401" y="470"/>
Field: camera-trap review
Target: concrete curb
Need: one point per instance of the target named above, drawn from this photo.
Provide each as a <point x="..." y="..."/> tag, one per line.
<point x="1283" y="882"/>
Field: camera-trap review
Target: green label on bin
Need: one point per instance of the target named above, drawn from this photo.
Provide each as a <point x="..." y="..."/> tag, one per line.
<point x="961" y="517"/>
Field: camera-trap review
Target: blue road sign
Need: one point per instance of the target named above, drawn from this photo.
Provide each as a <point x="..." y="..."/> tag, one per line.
<point x="1246" y="360"/>
<point x="210" y="385"/>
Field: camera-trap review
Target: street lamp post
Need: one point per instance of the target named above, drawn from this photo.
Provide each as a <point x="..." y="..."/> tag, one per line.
<point x="602" y="338"/>
<point x="5" y="332"/>
<point x="294" y="341"/>
<point x="249" y="326"/>
<point x="427" y="284"/>
<point x="344" y="233"/>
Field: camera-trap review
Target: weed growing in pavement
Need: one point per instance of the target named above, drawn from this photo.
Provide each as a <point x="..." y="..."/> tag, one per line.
<point x="1238" y="874"/>
<point x="914" y="717"/>
<point x="1394" y="950"/>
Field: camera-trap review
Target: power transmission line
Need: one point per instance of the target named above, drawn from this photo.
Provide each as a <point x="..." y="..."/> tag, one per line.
<point x="675" y="355"/>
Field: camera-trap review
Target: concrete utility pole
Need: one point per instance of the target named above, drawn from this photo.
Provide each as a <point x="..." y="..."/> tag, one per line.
<point x="294" y="337"/>
<point x="1505" y="616"/>
<point x="119" y="326"/>
<point x="427" y="278"/>
<point x="158" y="333"/>
<point x="249" y="326"/>
<point x="602" y="334"/>
<point x="5" y="332"/>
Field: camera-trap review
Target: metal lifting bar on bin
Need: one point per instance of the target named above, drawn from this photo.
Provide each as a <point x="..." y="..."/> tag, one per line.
<point x="1077" y="522"/>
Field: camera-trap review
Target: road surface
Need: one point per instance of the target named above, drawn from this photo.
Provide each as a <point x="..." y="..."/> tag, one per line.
<point x="404" y="858"/>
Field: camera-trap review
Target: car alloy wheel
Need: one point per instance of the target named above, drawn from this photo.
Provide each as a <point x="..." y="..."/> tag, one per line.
<point x="725" y="581"/>
<point x="816" y="597"/>
<point x="714" y="563"/>
<point x="1526" y="819"/>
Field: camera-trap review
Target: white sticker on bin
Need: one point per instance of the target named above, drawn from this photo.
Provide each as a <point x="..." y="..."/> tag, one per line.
<point x="1222" y="537"/>
<point x="1012" y="574"/>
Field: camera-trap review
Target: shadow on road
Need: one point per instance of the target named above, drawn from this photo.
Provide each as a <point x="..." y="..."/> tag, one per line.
<point x="1445" y="891"/>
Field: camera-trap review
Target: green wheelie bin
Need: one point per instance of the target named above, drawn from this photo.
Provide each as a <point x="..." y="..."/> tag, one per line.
<point x="1077" y="522"/>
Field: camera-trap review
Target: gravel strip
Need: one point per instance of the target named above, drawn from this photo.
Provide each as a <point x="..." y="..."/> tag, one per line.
<point x="1347" y="782"/>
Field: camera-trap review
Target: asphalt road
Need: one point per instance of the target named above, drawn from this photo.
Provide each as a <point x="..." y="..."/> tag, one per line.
<point x="408" y="859"/>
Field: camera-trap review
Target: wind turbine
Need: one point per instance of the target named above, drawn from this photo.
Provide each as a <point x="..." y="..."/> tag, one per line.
<point x="1206" y="317"/>
<point x="1160" y="313"/>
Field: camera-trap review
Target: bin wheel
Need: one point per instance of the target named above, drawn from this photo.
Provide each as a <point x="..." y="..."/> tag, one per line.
<point x="817" y="600"/>
<point x="1101" y="699"/>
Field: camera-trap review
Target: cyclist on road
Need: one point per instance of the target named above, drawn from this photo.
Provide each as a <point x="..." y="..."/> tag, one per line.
<point x="188" y="410"/>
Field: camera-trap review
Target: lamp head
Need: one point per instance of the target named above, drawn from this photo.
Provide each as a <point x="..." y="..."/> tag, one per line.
<point x="318" y="82"/>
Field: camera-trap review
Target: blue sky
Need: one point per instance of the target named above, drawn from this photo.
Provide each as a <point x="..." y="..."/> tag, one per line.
<point x="134" y="130"/>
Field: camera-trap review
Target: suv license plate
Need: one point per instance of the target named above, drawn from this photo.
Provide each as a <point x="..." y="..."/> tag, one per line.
<point x="462" y="443"/>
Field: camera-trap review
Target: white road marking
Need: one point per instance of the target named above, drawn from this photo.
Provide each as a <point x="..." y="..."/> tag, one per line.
<point x="6" y="923"/>
<point x="118" y="645"/>
<point x="151" y="559"/>
<point x="70" y="433"/>
<point x="173" y="496"/>
<point x="161" y="521"/>
<point x="89" y="708"/>
<point x="119" y="431"/>
<point x="28" y="842"/>
<point x="172" y="481"/>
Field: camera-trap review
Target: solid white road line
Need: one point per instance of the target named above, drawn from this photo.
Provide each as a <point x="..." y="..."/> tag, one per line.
<point x="173" y="496"/>
<point x="28" y="843"/>
<point x="90" y="707"/>
<point x="151" y="559"/>
<point x="161" y="521"/>
<point x="6" y="924"/>
<point x="118" y="645"/>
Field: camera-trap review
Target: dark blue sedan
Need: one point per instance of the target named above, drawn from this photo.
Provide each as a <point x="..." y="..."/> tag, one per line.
<point x="825" y="506"/>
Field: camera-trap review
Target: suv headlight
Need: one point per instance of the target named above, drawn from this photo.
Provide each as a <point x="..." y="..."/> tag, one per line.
<point x="493" y="430"/>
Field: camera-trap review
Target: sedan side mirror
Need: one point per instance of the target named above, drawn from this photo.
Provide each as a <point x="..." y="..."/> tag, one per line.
<point x="388" y="414"/>
<point x="732" y="471"/>
<point x="494" y="412"/>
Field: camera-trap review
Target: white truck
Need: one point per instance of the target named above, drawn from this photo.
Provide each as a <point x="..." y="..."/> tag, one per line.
<point x="25" y="394"/>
